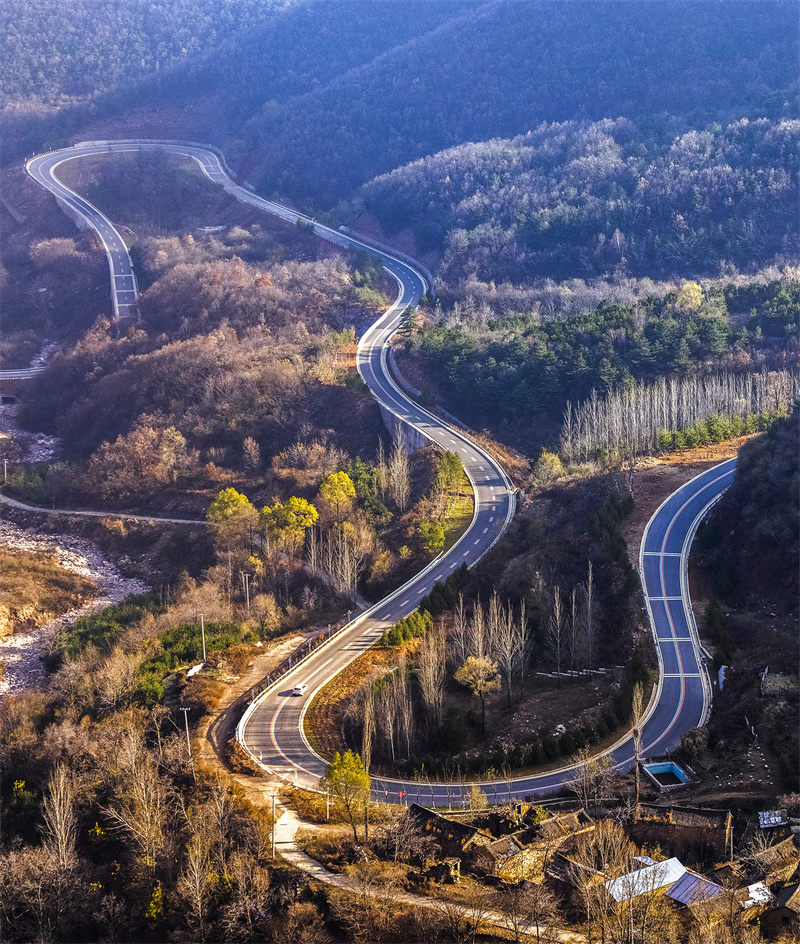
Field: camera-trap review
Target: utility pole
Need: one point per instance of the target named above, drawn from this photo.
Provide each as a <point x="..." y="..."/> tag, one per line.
<point x="203" y="632"/>
<point x="247" y="592"/>
<point x="273" y="825"/>
<point x="327" y="805"/>
<point x="186" y="719"/>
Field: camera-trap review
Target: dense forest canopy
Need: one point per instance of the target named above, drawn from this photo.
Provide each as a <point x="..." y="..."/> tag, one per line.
<point x="513" y="373"/>
<point x="588" y="199"/>
<point x="507" y="67"/>
<point x="312" y="99"/>
<point x="53" y="52"/>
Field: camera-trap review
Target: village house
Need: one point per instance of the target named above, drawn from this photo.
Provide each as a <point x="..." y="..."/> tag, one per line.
<point x="454" y="838"/>
<point x="651" y="877"/>
<point x="504" y="858"/>
<point x="784" y="915"/>
<point x="555" y="829"/>
<point x="698" y="901"/>
<point x="707" y="833"/>
<point x="523" y="854"/>
<point x="778" y="863"/>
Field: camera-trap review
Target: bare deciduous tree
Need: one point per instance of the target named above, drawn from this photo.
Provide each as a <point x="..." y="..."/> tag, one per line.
<point x="368" y="911"/>
<point x="477" y="634"/>
<point x="531" y="910"/>
<point x="465" y="917"/>
<point x="402" y="697"/>
<point x="431" y="672"/>
<point x="573" y="634"/>
<point x="555" y="632"/>
<point x="402" y="840"/>
<point x="302" y="924"/>
<point x="637" y="708"/>
<point x="252" y="453"/>
<point x="589" y="622"/>
<point x="368" y="724"/>
<point x="460" y="633"/>
<point x="140" y="809"/>
<point x="399" y="479"/>
<point x="591" y="778"/>
<point x="194" y="884"/>
<point x="509" y="646"/>
<point x="60" y="818"/>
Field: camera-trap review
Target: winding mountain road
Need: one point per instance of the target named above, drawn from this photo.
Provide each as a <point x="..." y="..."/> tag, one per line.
<point x="272" y="730"/>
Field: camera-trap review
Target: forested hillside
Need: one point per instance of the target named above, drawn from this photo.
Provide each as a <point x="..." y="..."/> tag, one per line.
<point x="227" y="60"/>
<point x="507" y="67"/>
<point x="312" y="99"/>
<point x="54" y="52"/>
<point x="610" y="197"/>
<point x="515" y="372"/>
<point x="757" y="524"/>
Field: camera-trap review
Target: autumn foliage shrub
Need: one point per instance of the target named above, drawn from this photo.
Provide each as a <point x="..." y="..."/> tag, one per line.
<point x="201" y="696"/>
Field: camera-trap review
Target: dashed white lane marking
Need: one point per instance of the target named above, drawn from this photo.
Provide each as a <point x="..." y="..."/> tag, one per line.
<point x="491" y="519"/>
<point x="484" y="531"/>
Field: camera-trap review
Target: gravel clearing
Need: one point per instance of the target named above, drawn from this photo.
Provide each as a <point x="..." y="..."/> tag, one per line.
<point x="19" y="445"/>
<point x="20" y="654"/>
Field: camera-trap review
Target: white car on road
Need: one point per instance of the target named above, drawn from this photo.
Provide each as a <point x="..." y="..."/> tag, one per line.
<point x="300" y="689"/>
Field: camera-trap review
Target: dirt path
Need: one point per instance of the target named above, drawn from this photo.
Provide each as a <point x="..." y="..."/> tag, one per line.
<point x="214" y="733"/>
<point x="286" y="846"/>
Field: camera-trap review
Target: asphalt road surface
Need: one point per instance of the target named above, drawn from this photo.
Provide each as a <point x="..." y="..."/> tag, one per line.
<point x="272" y="729"/>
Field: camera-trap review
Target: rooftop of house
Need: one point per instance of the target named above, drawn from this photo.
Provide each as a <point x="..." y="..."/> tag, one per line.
<point x="789" y="897"/>
<point x="691" y="889"/>
<point x="753" y="895"/>
<point x="782" y="853"/>
<point x="647" y="879"/>
<point x="441" y="825"/>
<point x="502" y="849"/>
<point x="559" y="826"/>
<point x="770" y="818"/>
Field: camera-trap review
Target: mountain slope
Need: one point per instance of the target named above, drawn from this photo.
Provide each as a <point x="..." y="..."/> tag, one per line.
<point x="507" y="66"/>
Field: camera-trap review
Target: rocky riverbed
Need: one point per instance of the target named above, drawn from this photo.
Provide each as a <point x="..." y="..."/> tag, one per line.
<point x="20" y="445"/>
<point x="20" y="654"/>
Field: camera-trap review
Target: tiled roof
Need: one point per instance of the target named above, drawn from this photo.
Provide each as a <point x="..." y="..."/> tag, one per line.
<point x="686" y="816"/>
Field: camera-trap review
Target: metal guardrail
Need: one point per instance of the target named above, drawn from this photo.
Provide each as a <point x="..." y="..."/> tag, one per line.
<point x="391" y="251"/>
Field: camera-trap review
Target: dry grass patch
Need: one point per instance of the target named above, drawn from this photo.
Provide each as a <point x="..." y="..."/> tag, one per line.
<point x="35" y="587"/>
